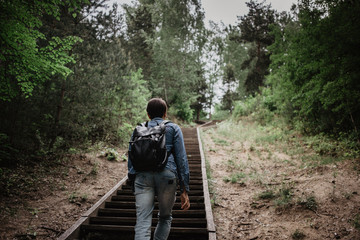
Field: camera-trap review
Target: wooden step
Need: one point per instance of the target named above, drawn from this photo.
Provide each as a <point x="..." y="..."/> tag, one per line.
<point x="129" y="192"/>
<point x="132" y="198"/>
<point x="118" y="228"/>
<point x="132" y="213"/>
<point x="114" y="216"/>
<point x="130" y="221"/>
<point x="193" y="186"/>
<point x="130" y="205"/>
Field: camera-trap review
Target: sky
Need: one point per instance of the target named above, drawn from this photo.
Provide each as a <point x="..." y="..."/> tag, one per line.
<point x="228" y="10"/>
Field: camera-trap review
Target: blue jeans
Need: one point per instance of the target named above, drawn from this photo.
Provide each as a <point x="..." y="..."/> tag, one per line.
<point x="147" y="185"/>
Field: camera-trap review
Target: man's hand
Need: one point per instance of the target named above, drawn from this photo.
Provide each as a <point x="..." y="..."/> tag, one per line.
<point x="185" y="202"/>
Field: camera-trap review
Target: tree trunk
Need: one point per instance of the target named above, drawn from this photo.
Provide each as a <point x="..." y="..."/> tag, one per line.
<point x="166" y="97"/>
<point x="258" y="69"/>
<point x="354" y="125"/>
<point x="57" y="117"/>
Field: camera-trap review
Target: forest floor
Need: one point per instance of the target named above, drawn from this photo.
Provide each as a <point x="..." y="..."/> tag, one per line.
<point x="263" y="184"/>
<point x="267" y="185"/>
<point x="47" y="198"/>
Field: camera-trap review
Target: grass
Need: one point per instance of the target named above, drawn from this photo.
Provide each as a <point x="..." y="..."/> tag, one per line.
<point x="72" y="197"/>
<point x="312" y="150"/>
<point x="95" y="169"/>
<point x="356" y="221"/>
<point x="284" y="197"/>
<point x="268" y="194"/>
<point x="278" y="144"/>
<point x="221" y="142"/>
<point x="235" y="177"/>
<point x="76" y="197"/>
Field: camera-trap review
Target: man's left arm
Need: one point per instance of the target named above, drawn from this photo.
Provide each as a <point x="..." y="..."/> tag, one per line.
<point x="183" y="167"/>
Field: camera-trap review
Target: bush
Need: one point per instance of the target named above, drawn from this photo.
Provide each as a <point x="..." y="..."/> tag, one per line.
<point x="260" y="108"/>
<point x="6" y="151"/>
<point x="182" y="110"/>
<point x="298" y="235"/>
<point x="245" y="108"/>
<point x="220" y="114"/>
<point x="268" y="194"/>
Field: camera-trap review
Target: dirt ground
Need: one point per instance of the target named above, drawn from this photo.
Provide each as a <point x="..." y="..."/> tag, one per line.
<point x="257" y="192"/>
<point x="263" y="193"/>
<point x="58" y="197"/>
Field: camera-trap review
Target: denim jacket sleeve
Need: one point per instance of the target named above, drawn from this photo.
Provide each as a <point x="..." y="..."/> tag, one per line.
<point x="181" y="159"/>
<point x="131" y="169"/>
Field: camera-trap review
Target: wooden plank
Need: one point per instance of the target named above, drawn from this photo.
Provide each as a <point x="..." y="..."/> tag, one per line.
<point x="127" y="205"/>
<point x="115" y="211"/>
<point x="192" y="222"/>
<point x="129" y="192"/>
<point x="132" y="213"/>
<point x="208" y="210"/>
<point x="117" y="228"/>
<point x="132" y="198"/>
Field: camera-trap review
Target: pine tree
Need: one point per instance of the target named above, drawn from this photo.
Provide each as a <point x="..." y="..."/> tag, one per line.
<point x="255" y="28"/>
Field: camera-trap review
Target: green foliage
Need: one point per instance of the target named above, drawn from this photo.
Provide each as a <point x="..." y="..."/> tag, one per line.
<point x="6" y="150"/>
<point x="110" y="154"/>
<point x="176" y="72"/>
<point x="284" y="197"/>
<point x="102" y="95"/>
<point x="182" y="110"/>
<point x="220" y="114"/>
<point x="221" y="142"/>
<point x="268" y="194"/>
<point x="245" y="108"/>
<point x="298" y="235"/>
<point x="259" y="107"/>
<point x="95" y="169"/>
<point x="130" y="101"/>
<point x="309" y="203"/>
<point x="255" y="28"/>
<point x="235" y="177"/>
<point x="28" y="57"/>
<point x="315" y="82"/>
<point x="73" y="197"/>
<point x="356" y="221"/>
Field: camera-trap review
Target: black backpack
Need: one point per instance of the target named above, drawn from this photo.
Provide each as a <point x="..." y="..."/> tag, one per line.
<point x="148" y="149"/>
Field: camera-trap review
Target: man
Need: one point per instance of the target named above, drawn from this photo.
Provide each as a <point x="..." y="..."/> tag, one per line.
<point x="162" y="183"/>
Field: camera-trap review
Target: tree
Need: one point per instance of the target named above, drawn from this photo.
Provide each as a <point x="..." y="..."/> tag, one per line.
<point x="140" y="29"/>
<point x="24" y="63"/>
<point x="99" y="101"/>
<point x="234" y="76"/>
<point x="319" y="71"/>
<point x="255" y="28"/>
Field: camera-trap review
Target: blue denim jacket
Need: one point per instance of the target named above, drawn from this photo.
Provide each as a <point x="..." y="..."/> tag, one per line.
<point x="179" y="164"/>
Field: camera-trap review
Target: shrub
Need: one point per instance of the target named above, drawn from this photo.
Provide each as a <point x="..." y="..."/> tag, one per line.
<point x="298" y="235"/>
<point x="309" y="203"/>
<point x="268" y="194"/>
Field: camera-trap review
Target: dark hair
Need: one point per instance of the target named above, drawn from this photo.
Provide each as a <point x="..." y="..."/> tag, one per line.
<point x="156" y="107"/>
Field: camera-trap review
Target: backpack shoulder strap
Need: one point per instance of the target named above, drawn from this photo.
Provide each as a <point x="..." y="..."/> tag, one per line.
<point x="163" y="123"/>
<point x="144" y="124"/>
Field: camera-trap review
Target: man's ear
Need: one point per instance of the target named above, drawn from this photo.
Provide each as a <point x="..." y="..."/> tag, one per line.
<point x="149" y="116"/>
<point x="164" y="115"/>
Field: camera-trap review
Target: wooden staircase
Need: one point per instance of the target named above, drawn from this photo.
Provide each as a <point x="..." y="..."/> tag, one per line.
<point x="114" y="216"/>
